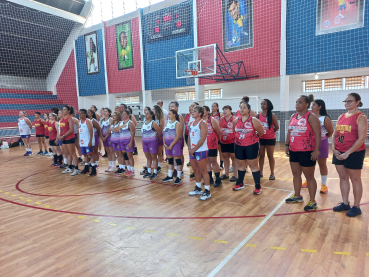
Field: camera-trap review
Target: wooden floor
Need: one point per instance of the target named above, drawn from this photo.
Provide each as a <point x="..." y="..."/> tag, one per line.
<point x="53" y="224"/>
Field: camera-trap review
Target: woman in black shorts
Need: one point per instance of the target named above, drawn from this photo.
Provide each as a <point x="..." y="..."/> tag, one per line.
<point x="348" y="145"/>
<point x="267" y="140"/>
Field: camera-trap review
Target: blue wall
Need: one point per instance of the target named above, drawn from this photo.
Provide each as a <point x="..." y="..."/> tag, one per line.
<point x="308" y="53"/>
<point x="90" y="84"/>
<point x="159" y="57"/>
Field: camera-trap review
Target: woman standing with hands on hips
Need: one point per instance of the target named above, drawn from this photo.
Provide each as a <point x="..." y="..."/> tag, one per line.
<point x="302" y="146"/>
<point x="348" y="145"/>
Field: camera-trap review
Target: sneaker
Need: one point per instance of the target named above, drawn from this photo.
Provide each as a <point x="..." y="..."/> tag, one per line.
<point x="27" y="153"/>
<point x="257" y="191"/>
<point x="45" y="154"/>
<point x="40" y="153"/>
<point x="271" y="177"/>
<point x="82" y="163"/>
<point x="80" y="159"/>
<point x="126" y="174"/>
<point x="135" y="153"/>
<point x="119" y="171"/>
<point x="85" y="170"/>
<point x="153" y="176"/>
<point x="158" y="170"/>
<point x="342" y="207"/>
<point x="57" y="165"/>
<point x="63" y="166"/>
<point x="354" y="211"/>
<point x="68" y="170"/>
<point x="233" y="179"/>
<point x="93" y="173"/>
<point x="304" y="184"/>
<point x="112" y="169"/>
<point x="211" y="181"/>
<point x="231" y="169"/>
<point x="53" y="164"/>
<point x="131" y="174"/>
<point x="144" y="172"/>
<point x="147" y="175"/>
<point x="206" y="195"/>
<point x="177" y="181"/>
<point x="238" y="187"/>
<point x="50" y="154"/>
<point x="167" y="179"/>
<point x="175" y="172"/>
<point x="196" y="191"/>
<point x="108" y="168"/>
<point x="75" y="172"/>
<point x="312" y="205"/>
<point x="295" y="199"/>
<point x="189" y="164"/>
<point x="324" y="189"/>
<point x="182" y="174"/>
<point x="192" y="175"/>
<point x="224" y="177"/>
<point x="30" y="153"/>
<point x="105" y="155"/>
<point x="218" y="183"/>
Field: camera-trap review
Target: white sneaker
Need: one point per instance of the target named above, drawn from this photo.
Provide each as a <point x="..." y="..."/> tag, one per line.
<point x="68" y="170"/>
<point x="75" y="172"/>
<point x="231" y="169"/>
<point x="50" y="154"/>
<point x="206" y="195"/>
<point x="196" y="191"/>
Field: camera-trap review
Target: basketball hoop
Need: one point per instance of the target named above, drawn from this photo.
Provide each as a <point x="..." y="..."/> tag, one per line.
<point x="190" y="81"/>
<point x="191" y="71"/>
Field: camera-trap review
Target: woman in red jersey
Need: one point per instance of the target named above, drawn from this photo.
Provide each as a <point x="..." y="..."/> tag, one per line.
<point x="54" y="143"/>
<point x="40" y="133"/>
<point x="267" y="140"/>
<point x="348" y="145"/>
<point x="302" y="146"/>
<point x="227" y="143"/>
<point x="68" y="139"/>
<point x="247" y="131"/>
<point x="217" y="115"/>
<point x="214" y="134"/>
<point x="46" y="125"/>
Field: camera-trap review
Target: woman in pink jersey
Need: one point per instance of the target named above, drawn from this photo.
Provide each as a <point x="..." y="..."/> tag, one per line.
<point x="212" y="139"/>
<point x="267" y="140"/>
<point x="227" y="143"/>
<point x="302" y="146"/>
<point x="217" y="115"/>
<point x="348" y="145"/>
<point x="247" y="131"/>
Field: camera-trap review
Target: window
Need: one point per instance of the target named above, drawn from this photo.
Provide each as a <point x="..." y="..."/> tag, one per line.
<point x="333" y="84"/>
<point x="312" y="86"/>
<point x="184" y="96"/>
<point x="213" y="94"/>
<point x="127" y="100"/>
<point x="355" y="82"/>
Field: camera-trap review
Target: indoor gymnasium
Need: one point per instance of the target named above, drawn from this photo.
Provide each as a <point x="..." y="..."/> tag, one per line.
<point x="184" y="138"/>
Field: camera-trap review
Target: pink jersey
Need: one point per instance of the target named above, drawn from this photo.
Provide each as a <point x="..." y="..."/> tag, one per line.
<point x="245" y="132"/>
<point x="212" y="137"/>
<point x="227" y="131"/>
<point x="238" y="114"/>
<point x="302" y="137"/>
<point x="347" y="132"/>
<point x="268" y="132"/>
<point x="216" y="116"/>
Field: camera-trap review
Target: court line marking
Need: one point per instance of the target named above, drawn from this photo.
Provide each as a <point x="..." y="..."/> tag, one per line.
<point x="221" y="241"/>
<point x="277" y="248"/>
<point x="248" y="237"/>
<point x="308" y="250"/>
<point x="251" y="245"/>
<point x="342" y="253"/>
<point x="196" y="238"/>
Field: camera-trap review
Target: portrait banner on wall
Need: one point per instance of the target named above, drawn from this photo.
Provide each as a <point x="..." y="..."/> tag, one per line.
<point x="92" y="53"/>
<point x="339" y="15"/>
<point x="237" y="25"/>
<point x="123" y="33"/>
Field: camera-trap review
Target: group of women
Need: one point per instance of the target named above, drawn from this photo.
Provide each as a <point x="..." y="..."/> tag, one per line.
<point x="241" y="140"/>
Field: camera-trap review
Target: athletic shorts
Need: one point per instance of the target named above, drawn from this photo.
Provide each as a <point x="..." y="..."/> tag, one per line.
<point x="87" y="150"/>
<point x="107" y="142"/>
<point x="250" y="152"/>
<point x="46" y="137"/>
<point x="354" y="161"/>
<point x="227" y="148"/>
<point x="25" y="136"/>
<point x="40" y="136"/>
<point x="161" y="142"/>
<point x="176" y="150"/>
<point x="213" y="153"/>
<point x="125" y="147"/>
<point x="52" y="143"/>
<point x="69" y="141"/>
<point x="151" y="146"/>
<point x="302" y="157"/>
<point x="323" y="149"/>
<point x="267" y="142"/>
<point x="199" y="156"/>
<point x="97" y="139"/>
<point x="60" y="143"/>
<point x="117" y="146"/>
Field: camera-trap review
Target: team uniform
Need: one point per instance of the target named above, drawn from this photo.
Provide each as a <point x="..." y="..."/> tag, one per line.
<point x="160" y="141"/>
<point x="302" y="140"/>
<point x="105" y="125"/>
<point x="150" y="141"/>
<point x="126" y="137"/>
<point x="169" y="134"/>
<point x="96" y="134"/>
<point x="268" y="138"/>
<point x="324" y="144"/>
<point x="116" y="140"/>
<point x="212" y="139"/>
<point x="347" y="134"/>
<point x="24" y="129"/>
<point x="84" y="139"/>
<point x="46" y="126"/>
<point x="246" y="140"/>
<point x="51" y="129"/>
<point x="64" y="128"/>
<point x="227" y="139"/>
<point x="40" y="128"/>
<point x="195" y="136"/>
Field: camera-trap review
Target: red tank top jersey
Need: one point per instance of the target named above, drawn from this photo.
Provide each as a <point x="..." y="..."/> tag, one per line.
<point x="347" y="132"/>
<point x="227" y="131"/>
<point x="217" y="117"/>
<point x="46" y="125"/>
<point x="40" y="128"/>
<point x="187" y="124"/>
<point x="245" y="132"/>
<point x="302" y="137"/>
<point x="212" y="137"/>
<point x="238" y="114"/>
<point x="52" y="131"/>
<point x="268" y="132"/>
<point x="64" y="128"/>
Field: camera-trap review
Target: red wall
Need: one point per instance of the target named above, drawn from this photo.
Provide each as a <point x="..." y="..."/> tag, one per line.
<point x="263" y="59"/>
<point x="127" y="80"/>
<point x="66" y="87"/>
